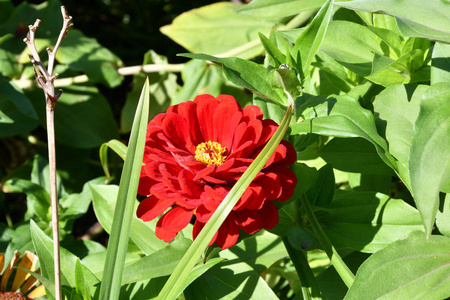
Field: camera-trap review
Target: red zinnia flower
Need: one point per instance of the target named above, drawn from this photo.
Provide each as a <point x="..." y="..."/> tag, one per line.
<point x="195" y="153"/>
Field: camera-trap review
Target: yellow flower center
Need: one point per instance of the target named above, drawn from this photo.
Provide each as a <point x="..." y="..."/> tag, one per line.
<point x="210" y="153"/>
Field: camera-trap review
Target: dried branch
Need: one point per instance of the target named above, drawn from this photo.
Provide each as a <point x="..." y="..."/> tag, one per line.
<point x="45" y="78"/>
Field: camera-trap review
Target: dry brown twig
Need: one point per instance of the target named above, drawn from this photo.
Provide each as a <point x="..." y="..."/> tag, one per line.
<point x="45" y="79"/>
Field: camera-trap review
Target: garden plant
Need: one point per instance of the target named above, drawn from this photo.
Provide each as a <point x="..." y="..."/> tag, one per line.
<point x="265" y="149"/>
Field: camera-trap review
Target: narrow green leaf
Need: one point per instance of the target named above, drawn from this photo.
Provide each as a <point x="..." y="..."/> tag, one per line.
<point x="404" y="268"/>
<point x="117" y="147"/>
<point x="175" y="284"/>
<point x="272" y="50"/>
<point x="118" y="242"/>
<point x="429" y="158"/>
<point x="309" y="41"/>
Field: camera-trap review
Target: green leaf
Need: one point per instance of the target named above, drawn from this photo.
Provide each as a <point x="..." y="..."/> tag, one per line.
<point x="308" y="43"/>
<point x="44" y="248"/>
<point x="339" y="116"/>
<point x="354" y="155"/>
<point x="217" y="29"/>
<point x="368" y="221"/>
<point x="87" y="55"/>
<point x="175" y="284"/>
<point x="38" y="199"/>
<point x="443" y="216"/>
<point x="398" y="107"/>
<point x="272" y="50"/>
<point x="321" y="193"/>
<point x="352" y="45"/>
<point x="440" y="63"/>
<point x="118" y="242"/>
<point x="386" y="71"/>
<point x="84" y="281"/>
<point x="246" y="74"/>
<point x="404" y="268"/>
<point x="159" y="263"/>
<point x="141" y="233"/>
<point x="414" y="18"/>
<point x="117" y="147"/>
<point x="429" y="158"/>
<point x="17" y="115"/>
<point x="273" y="9"/>
<point x="238" y="276"/>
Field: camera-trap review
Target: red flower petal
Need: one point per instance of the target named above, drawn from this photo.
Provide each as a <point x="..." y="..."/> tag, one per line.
<point x="228" y="233"/>
<point x="172" y="222"/>
<point x="249" y="221"/>
<point x="269" y="213"/>
<point x="176" y="127"/>
<point x="205" y="114"/>
<point x="151" y="207"/>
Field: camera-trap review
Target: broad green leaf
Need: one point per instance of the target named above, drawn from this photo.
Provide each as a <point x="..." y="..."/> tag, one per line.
<point x="117" y="147"/>
<point x="386" y="71"/>
<point x="429" y="158"/>
<point x="123" y="214"/>
<point x="17" y="115"/>
<point x="443" y="216"/>
<point x="352" y="45"/>
<point x="403" y="269"/>
<point x="159" y="263"/>
<point x="331" y="285"/>
<point x="87" y="55"/>
<point x="44" y="248"/>
<point x="370" y="182"/>
<point x="175" y="284"/>
<point x="246" y="74"/>
<point x="339" y="116"/>
<point x="85" y="281"/>
<point x="354" y="155"/>
<point x="273" y="9"/>
<point x="163" y="86"/>
<point x="141" y="233"/>
<point x="440" y="63"/>
<point x="428" y="19"/>
<point x="38" y="199"/>
<point x="368" y="221"/>
<point x="397" y="108"/>
<point x="217" y="29"/>
<point x="245" y="261"/>
<point x="391" y="38"/>
<point x="321" y="193"/>
<point x="272" y="50"/>
<point x="309" y="41"/>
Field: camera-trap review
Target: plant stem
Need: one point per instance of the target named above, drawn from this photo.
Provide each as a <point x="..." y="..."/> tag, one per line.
<point x="344" y="272"/>
<point x="53" y="195"/>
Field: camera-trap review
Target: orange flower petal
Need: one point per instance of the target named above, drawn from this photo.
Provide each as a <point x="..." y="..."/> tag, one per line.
<point x="28" y="262"/>
<point x="9" y="270"/>
<point x="37" y="292"/>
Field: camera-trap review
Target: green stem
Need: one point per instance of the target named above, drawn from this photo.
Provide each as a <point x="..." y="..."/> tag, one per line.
<point x="310" y="288"/>
<point x="336" y="260"/>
